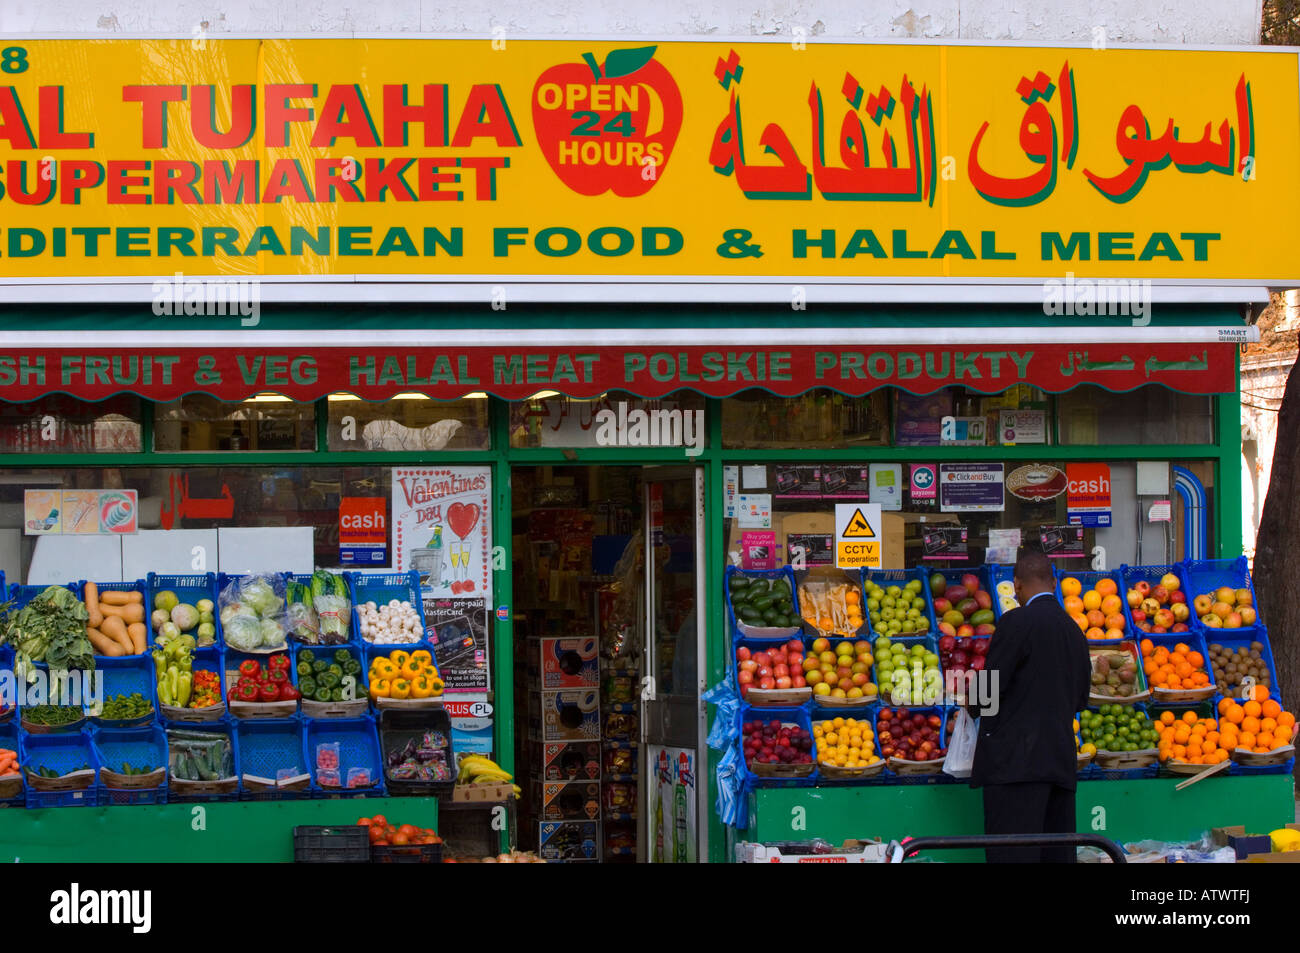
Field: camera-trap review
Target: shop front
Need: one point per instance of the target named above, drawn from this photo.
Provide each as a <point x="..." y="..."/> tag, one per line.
<point x="560" y="443"/>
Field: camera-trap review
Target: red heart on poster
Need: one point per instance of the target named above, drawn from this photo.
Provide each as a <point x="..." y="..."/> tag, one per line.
<point x="462" y="518"/>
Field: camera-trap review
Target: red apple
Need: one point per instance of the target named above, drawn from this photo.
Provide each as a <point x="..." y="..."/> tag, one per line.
<point x="1143" y="587"/>
<point x="764" y="671"/>
<point x="1178" y="596"/>
<point x="763" y="658"/>
<point x="799" y="682"/>
<point x="1160" y="594"/>
<point x="784" y="681"/>
<point x="780" y="670"/>
<point x="1139" y="616"/>
<point x="742" y="653"/>
<point x="745" y="678"/>
<point x="795" y="645"/>
<point x="767" y="682"/>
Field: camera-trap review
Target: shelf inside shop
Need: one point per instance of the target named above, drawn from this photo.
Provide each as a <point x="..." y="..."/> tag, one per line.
<point x="619" y="745"/>
<point x="620" y="707"/>
<point x="620" y="851"/>
<point x="621" y="815"/>
<point x="618" y="777"/>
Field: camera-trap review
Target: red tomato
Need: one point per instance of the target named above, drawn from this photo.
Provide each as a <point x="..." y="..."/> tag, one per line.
<point x="399" y="839"/>
<point x="410" y="830"/>
<point x="379" y="820"/>
<point x="363" y="822"/>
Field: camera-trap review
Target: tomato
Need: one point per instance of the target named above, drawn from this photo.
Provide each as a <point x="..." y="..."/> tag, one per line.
<point x="379" y="820"/>
<point x="376" y="834"/>
<point x="410" y="830"/>
<point x="399" y="839"/>
<point x="363" y="822"/>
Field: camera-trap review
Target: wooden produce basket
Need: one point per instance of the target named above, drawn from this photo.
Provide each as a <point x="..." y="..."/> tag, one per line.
<point x="835" y="773"/>
<point x="117" y="780"/>
<point x="184" y="788"/>
<point x="1183" y="767"/>
<point x="1268" y="759"/>
<point x="775" y="697"/>
<point x="259" y="785"/>
<point x="34" y="729"/>
<point x="210" y="713"/>
<point x="1126" y="760"/>
<point x="781" y="770"/>
<point x="905" y="768"/>
<point x="826" y="701"/>
<point x="75" y="781"/>
<point x="352" y="709"/>
<point x="408" y="704"/>
<point x="11" y="786"/>
<point x="1082" y="760"/>
<point x="1183" y="696"/>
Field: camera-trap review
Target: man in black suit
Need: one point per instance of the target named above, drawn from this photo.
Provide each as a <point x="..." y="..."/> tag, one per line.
<point x="1025" y="756"/>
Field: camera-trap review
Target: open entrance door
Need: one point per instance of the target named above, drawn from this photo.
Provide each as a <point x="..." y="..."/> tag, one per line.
<point x="673" y="826"/>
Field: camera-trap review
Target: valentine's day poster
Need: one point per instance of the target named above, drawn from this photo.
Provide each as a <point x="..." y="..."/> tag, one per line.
<point x="442" y="528"/>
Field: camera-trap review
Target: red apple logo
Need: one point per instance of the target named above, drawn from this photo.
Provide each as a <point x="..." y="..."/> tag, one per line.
<point x="608" y="126"/>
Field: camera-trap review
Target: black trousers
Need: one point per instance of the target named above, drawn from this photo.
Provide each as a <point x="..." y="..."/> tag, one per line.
<point x="1029" y="808"/>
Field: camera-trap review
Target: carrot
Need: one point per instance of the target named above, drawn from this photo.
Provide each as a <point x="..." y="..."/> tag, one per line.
<point x="92" y="605"/>
<point x="117" y="597"/>
<point x="115" y="628"/>
<point x="104" y="645"/>
<point x="138" y="634"/>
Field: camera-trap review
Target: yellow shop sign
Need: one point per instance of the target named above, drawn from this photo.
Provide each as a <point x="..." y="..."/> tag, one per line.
<point x="719" y="160"/>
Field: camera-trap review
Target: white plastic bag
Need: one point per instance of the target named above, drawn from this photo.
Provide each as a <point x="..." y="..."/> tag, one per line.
<point x="961" y="747"/>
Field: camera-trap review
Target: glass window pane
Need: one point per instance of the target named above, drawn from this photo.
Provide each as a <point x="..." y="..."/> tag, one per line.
<point x="264" y="422"/>
<point x="1148" y="415"/>
<point x="408" y="422"/>
<point x="62" y="424"/>
<point x="549" y="419"/>
<point x="819" y="419"/>
<point x="917" y="419"/>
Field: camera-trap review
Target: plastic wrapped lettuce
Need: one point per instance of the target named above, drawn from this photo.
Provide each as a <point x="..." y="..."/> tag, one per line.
<point x="253" y="612"/>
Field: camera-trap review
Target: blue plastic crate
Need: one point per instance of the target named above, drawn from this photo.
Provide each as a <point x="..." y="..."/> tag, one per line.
<point x="305" y="579"/>
<point x="358" y="741"/>
<point x="225" y="727"/>
<point x="1169" y="640"/>
<point x="225" y="580"/>
<point x="210" y="659"/>
<point x="188" y="589"/>
<point x="930" y="643"/>
<point x="382" y="588"/>
<point x="1132" y="774"/>
<point x="1203" y="576"/>
<point x="137" y="585"/>
<point x="62" y="753"/>
<point x="785" y="573"/>
<point x="21" y="595"/>
<point x="138" y="747"/>
<point x="266" y="748"/>
<point x="126" y="676"/>
<point x="1243" y="770"/>
<point x="8" y="686"/>
<point x="371" y="652"/>
<point x="954" y="577"/>
<point x="326" y="653"/>
<point x="901" y="577"/>
<point x="232" y="660"/>
<point x="1235" y="641"/>
<point x="1089" y="581"/>
<point x="926" y="710"/>
<point x="800" y="716"/>
<point x="822" y="714"/>
<point x="1132" y="575"/>
<point x="79" y="689"/>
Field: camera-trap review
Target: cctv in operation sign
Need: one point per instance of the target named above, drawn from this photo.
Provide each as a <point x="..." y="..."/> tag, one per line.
<point x="858" y="536"/>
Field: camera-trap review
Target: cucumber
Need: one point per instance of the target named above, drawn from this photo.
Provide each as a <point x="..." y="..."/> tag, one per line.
<point x="762" y="603"/>
<point x="750" y="616"/>
<point x="739" y="582"/>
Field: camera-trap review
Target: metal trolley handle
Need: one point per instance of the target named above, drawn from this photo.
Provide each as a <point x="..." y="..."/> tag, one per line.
<point x="918" y="844"/>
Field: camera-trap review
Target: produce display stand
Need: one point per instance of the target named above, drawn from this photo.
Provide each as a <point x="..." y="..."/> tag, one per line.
<point x="1127" y="797"/>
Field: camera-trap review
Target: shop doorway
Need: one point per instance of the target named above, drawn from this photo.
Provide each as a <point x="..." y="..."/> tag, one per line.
<point x="609" y="598"/>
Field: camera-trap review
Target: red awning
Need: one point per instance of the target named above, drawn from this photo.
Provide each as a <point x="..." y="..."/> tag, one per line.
<point x="305" y="372"/>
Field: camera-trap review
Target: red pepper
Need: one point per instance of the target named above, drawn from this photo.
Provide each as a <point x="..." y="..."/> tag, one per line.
<point x="268" y="691"/>
<point x="278" y="663"/>
<point x="288" y="693"/>
<point x="248" y="691"/>
<point x="233" y="694"/>
<point x="250" y="668"/>
<point x="280" y="677"/>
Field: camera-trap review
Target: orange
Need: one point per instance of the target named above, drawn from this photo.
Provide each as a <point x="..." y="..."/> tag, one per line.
<point x="1271" y="709"/>
<point x="1147" y="647"/>
<point x="1253" y="708"/>
<point x="1073" y="605"/>
<point x="1267" y="724"/>
<point x="1091" y="600"/>
<point x="1097" y="618"/>
<point x="1095" y="633"/>
<point x="1080" y="620"/>
<point x="1247" y="740"/>
<point x="1182" y="648"/>
<point x="1224" y="704"/>
<point x="1279" y="743"/>
<point x="1184" y="670"/>
<point x="1212" y="738"/>
<point x="1235" y="713"/>
<point x="1189" y="717"/>
<point x="1179" y="752"/>
<point x="1107" y="587"/>
<point x="1283" y="732"/>
<point x="1167" y="717"/>
<point x="1196" y="660"/>
<point x="1182" y="735"/>
<point x="1071" y="586"/>
<point x="1149" y="667"/>
<point x="1194" y="750"/>
<point x="1111" y="605"/>
<point x="1209" y="747"/>
<point x="1264" y="740"/>
<point x="852" y="596"/>
<point x="1251" y="725"/>
<point x="1286" y="719"/>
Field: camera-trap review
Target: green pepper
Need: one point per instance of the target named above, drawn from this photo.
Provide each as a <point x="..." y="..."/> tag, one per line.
<point x="342" y="655"/>
<point x="318" y="666"/>
<point x="351" y="667"/>
<point x="322" y="694"/>
<point x="307" y="686"/>
<point x="304" y="669"/>
<point x="306" y="655"/>
<point x="336" y="694"/>
<point x="329" y="680"/>
<point x="337" y="669"/>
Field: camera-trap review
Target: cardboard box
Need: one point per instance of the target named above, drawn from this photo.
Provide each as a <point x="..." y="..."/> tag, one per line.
<point x="1253" y="848"/>
<point x="567" y="715"/>
<point x="483" y="793"/>
<point x="568" y="840"/>
<point x="572" y="761"/>
<point x="563" y="663"/>
<point x="567" y="800"/>
<point x="851" y="852"/>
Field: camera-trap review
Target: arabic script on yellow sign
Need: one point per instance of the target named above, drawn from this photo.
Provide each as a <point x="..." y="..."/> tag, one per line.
<point x="453" y="158"/>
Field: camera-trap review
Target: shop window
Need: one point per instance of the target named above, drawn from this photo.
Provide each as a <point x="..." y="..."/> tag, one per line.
<point x="408" y="422"/>
<point x="819" y="419"/>
<point x="62" y="424"/>
<point x="1148" y="415"/>
<point x="265" y="422"/>
<point x="550" y="419"/>
<point x="1020" y="415"/>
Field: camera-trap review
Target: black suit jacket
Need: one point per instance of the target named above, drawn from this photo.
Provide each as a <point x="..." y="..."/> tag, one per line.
<point x="1044" y="675"/>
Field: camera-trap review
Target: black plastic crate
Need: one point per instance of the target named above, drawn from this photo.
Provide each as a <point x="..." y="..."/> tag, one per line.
<point x="396" y="728"/>
<point x="331" y="845"/>
<point x="406" y="854"/>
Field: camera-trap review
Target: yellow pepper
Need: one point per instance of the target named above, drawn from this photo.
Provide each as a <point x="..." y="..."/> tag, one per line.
<point x="422" y="655"/>
<point x="413" y="670"/>
<point x="399" y="658"/>
<point x="421" y="687"/>
<point x="401" y="688"/>
<point x="382" y="668"/>
<point x="380" y="688"/>
<point x="437" y="686"/>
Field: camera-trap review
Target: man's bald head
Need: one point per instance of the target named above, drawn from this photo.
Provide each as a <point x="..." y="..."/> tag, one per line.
<point x="1033" y="574"/>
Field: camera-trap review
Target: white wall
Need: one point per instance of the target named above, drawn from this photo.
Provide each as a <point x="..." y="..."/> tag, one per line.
<point x="1202" y="22"/>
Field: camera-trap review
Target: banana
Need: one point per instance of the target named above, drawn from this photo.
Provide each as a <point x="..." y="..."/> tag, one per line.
<point x="492" y="777"/>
